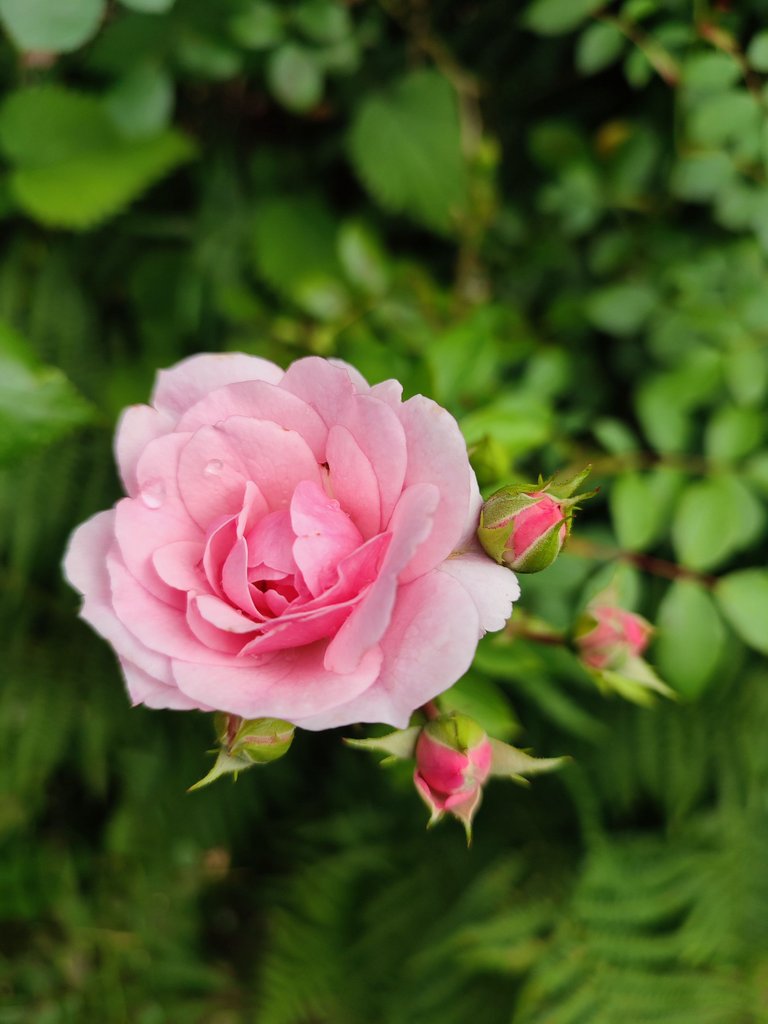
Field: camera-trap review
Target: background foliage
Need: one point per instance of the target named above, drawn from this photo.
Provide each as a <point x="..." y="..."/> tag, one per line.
<point x="553" y="218"/>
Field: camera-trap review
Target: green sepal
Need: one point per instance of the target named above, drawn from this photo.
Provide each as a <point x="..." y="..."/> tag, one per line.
<point x="634" y="680"/>
<point x="541" y="554"/>
<point x="510" y="763"/>
<point x="564" y="487"/>
<point x="397" y="745"/>
<point x="225" y="764"/>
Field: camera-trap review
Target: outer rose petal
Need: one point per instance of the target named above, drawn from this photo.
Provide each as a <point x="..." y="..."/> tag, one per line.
<point x="327" y="388"/>
<point x="429" y="644"/>
<point x="143" y="689"/>
<point x="179" y="387"/>
<point x="86" y="569"/>
<point x="289" y="685"/>
<point x="492" y="587"/>
<point x="137" y="426"/>
<point x="437" y="454"/>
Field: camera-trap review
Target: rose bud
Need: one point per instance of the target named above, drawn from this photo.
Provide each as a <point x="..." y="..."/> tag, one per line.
<point x="453" y="760"/>
<point x="608" y="636"/>
<point x="524" y="526"/>
<point x="246" y="742"/>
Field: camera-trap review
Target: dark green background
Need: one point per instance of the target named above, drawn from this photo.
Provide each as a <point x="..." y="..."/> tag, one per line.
<point x="552" y="218"/>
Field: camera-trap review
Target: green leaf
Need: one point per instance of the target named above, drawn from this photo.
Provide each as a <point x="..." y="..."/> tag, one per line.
<point x="405" y="144"/>
<point x="258" y="27"/>
<point x="553" y="17"/>
<point x="483" y="701"/>
<point x="362" y="258"/>
<point x="322" y="21"/>
<point x="757" y="51"/>
<point x="746" y="371"/>
<point x="73" y="168"/>
<point x="640" y="506"/>
<point x="58" y="26"/>
<point x="294" y="247"/>
<point x="598" y="47"/>
<point x="37" y="403"/>
<point x="733" y="432"/>
<point x="141" y="103"/>
<point x="690" y="642"/>
<point x="518" y="422"/>
<point x="149" y="6"/>
<point x="295" y="78"/>
<point x="743" y="600"/>
<point x="621" y="309"/>
<point x="710" y="72"/>
<point x="666" y="424"/>
<point x="699" y="177"/>
<point x="724" y="117"/>
<point x="714" y="518"/>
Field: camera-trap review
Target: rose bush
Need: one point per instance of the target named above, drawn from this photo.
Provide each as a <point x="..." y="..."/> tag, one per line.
<point x="294" y="544"/>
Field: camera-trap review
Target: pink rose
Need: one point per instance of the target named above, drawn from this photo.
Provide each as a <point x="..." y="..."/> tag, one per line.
<point x="453" y="759"/>
<point x="296" y="545"/>
<point x="609" y="635"/>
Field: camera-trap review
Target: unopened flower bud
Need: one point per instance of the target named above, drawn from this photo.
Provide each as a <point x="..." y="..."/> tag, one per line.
<point x="524" y="526"/>
<point x="245" y="742"/>
<point x="607" y="636"/>
<point x="453" y="760"/>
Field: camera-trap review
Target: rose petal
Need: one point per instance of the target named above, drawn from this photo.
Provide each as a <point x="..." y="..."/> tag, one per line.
<point x="136" y="427"/>
<point x="380" y="436"/>
<point x="430" y="643"/>
<point x="289" y="685"/>
<point x="353" y="481"/>
<point x="211" y="477"/>
<point x="327" y="388"/>
<point x="410" y="526"/>
<point x="85" y="566"/>
<point x="437" y="454"/>
<point x="143" y="689"/>
<point x="276" y="459"/>
<point x="324" y="535"/>
<point x="157" y="625"/>
<point x="181" y="386"/>
<point x="492" y="587"/>
<point x="258" y="400"/>
<point x="179" y="565"/>
<point x="213" y="637"/>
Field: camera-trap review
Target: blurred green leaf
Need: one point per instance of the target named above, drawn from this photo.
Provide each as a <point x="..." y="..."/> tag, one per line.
<point x="149" y="6"/>
<point x="323" y="21"/>
<point x="295" y="78"/>
<point x="73" y="168"/>
<point x="757" y="51"/>
<point x="141" y="103"/>
<point x="622" y="308"/>
<point x="641" y="504"/>
<point x="690" y="642"/>
<point x="743" y="599"/>
<point x="362" y="257"/>
<point x="51" y="24"/>
<point x="259" y="26"/>
<point x="552" y="17"/>
<point x="406" y="147"/>
<point x="710" y="72"/>
<point x="38" y="404"/>
<point x="483" y="700"/>
<point x="599" y="46"/>
<point x="699" y="177"/>
<point x="712" y="521"/>
<point x="733" y="432"/>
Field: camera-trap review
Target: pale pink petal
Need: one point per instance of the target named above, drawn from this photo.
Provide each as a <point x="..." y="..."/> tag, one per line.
<point x="157" y="517"/>
<point x="85" y="566"/>
<point x="136" y="427"/>
<point x="212" y="637"/>
<point x="276" y="459"/>
<point x="157" y="625"/>
<point x="261" y="401"/>
<point x="437" y="454"/>
<point x="390" y="392"/>
<point x="271" y="542"/>
<point x="353" y="481"/>
<point x="179" y="565"/>
<point x="468" y="540"/>
<point x="211" y="477"/>
<point x="430" y="643"/>
<point x="410" y="526"/>
<point x="324" y="535"/>
<point x="181" y="386"/>
<point x="380" y="436"/>
<point x="288" y="685"/>
<point x="361" y="385"/>
<point x="327" y="388"/>
<point x="492" y="587"/>
<point x="305" y="629"/>
<point x="234" y="580"/>
<point x="143" y="689"/>
<point x="222" y="615"/>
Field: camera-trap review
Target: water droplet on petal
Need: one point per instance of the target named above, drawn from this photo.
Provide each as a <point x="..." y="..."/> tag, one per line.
<point x="214" y="467"/>
<point x="153" y="493"/>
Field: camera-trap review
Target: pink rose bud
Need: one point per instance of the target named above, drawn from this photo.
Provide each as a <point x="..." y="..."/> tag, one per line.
<point x="524" y="526"/>
<point x="453" y="760"/>
<point x="607" y="636"/>
<point x="244" y="743"/>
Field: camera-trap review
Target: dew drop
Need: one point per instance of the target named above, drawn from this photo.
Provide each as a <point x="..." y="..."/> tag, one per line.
<point x="153" y="493"/>
<point x="214" y="467"/>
